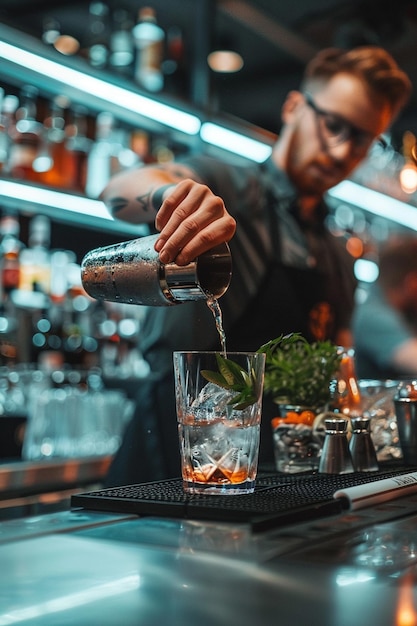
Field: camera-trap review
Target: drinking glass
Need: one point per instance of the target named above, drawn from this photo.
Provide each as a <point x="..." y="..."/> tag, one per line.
<point x="219" y="442"/>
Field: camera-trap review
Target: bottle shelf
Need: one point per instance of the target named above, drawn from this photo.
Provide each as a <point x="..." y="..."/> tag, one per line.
<point x="63" y="207"/>
<point x="26" y="60"/>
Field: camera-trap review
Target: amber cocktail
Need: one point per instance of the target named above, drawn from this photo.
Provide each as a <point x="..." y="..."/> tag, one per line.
<point x="219" y="438"/>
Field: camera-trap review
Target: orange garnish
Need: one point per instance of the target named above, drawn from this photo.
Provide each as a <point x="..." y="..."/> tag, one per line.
<point x="292" y="417"/>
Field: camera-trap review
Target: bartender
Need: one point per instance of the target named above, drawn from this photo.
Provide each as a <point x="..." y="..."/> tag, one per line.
<point x="290" y="274"/>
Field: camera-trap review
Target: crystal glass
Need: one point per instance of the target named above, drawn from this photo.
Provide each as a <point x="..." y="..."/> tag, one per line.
<point x="219" y="442"/>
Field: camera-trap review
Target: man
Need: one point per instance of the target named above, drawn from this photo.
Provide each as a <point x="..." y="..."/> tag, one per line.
<point x="289" y="273"/>
<point x="385" y="324"/>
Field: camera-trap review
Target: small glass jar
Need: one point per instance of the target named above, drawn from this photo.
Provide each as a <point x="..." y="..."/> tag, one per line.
<point x="297" y="444"/>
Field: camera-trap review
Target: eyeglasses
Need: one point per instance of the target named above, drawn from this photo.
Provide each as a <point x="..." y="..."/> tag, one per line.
<point x="334" y="129"/>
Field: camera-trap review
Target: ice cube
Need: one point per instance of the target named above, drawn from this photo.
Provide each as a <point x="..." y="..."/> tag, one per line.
<point x="212" y="401"/>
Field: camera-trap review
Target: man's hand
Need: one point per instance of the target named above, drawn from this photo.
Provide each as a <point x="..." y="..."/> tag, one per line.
<point x="191" y="221"/>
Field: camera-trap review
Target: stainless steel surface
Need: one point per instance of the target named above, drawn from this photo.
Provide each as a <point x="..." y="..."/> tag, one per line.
<point x="84" y="568"/>
<point x="56" y="523"/>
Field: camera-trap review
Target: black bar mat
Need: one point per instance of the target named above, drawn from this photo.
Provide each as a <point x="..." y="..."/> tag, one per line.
<point x="278" y="499"/>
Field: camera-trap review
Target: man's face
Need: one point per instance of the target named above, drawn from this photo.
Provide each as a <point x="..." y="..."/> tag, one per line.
<point x="313" y="163"/>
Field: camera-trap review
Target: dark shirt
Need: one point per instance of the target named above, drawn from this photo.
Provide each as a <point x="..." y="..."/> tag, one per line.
<point x="288" y="276"/>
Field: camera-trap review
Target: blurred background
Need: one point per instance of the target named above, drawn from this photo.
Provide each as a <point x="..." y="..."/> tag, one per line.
<point x="90" y="88"/>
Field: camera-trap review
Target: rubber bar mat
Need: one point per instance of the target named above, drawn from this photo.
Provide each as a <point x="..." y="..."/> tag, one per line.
<point x="278" y="499"/>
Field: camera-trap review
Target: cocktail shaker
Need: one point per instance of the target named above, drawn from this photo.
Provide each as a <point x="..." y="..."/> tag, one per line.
<point x="405" y="403"/>
<point x="131" y="272"/>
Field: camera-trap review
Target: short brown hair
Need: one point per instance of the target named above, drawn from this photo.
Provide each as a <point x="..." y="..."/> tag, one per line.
<point x="397" y="259"/>
<point x="372" y="64"/>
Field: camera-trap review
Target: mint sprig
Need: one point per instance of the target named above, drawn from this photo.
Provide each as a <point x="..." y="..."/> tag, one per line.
<point x="233" y="377"/>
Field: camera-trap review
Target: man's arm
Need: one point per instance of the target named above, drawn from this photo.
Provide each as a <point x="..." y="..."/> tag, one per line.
<point x="190" y="218"/>
<point x="404" y="357"/>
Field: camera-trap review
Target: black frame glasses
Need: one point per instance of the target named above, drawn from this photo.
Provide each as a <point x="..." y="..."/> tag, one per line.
<point x="335" y="129"/>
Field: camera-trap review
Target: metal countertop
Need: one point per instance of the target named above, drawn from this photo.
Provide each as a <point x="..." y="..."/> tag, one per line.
<point x="87" y="568"/>
<point x="20" y="478"/>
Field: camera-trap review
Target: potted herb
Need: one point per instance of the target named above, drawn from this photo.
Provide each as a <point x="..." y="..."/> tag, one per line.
<point x="298" y="372"/>
<point x="298" y="376"/>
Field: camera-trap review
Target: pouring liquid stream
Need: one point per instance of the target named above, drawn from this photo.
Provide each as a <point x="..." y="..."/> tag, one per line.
<point x="214" y="307"/>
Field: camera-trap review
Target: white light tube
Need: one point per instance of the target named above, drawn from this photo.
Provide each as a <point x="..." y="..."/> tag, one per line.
<point x="376" y="202"/>
<point x="56" y="199"/>
<point x="163" y="113"/>
<point x="77" y="209"/>
<point x="235" y="142"/>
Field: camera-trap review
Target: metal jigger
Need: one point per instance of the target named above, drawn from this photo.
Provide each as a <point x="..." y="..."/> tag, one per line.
<point x="335" y="457"/>
<point x="131" y="272"/>
<point x="361" y="446"/>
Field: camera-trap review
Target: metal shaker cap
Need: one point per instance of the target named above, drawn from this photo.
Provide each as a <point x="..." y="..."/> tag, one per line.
<point x="334" y="425"/>
<point x="361" y="424"/>
<point x="208" y="276"/>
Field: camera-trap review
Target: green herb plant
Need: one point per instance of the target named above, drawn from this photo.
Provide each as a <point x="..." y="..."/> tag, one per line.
<point x="232" y="376"/>
<point x="298" y="372"/>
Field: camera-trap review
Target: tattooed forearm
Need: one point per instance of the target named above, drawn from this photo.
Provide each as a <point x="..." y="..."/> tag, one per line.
<point x="145" y="201"/>
<point x="158" y="196"/>
<point x="118" y="203"/>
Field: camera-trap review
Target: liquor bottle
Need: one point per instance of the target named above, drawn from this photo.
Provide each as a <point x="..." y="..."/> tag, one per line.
<point x="60" y="263"/>
<point x="26" y="136"/>
<point x="9" y="105"/>
<point x="175" y="73"/>
<point x="123" y="156"/>
<point x="51" y="30"/>
<point x="78" y="146"/>
<point x="4" y="152"/>
<point x="99" y="163"/>
<point x="10" y="250"/>
<point x="35" y="269"/>
<point x="98" y="50"/>
<point x="140" y="144"/>
<point x="346" y="395"/>
<point x="41" y="332"/>
<point x="121" y="43"/>
<point x="51" y="161"/>
<point x="14" y="414"/>
<point x="149" y="41"/>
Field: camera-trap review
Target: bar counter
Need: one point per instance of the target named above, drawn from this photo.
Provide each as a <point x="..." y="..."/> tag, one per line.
<point x="26" y="485"/>
<point x="82" y="567"/>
